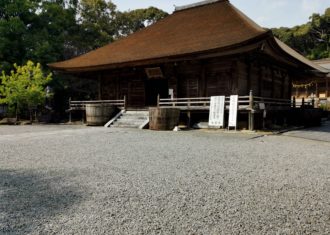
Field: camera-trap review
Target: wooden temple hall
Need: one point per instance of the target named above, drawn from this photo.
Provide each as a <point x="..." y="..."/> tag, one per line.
<point x="204" y="49"/>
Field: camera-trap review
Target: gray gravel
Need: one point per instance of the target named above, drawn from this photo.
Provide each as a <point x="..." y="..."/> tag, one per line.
<point x="65" y="180"/>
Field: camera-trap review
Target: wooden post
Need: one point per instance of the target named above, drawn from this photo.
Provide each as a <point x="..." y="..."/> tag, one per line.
<point x="294" y="102"/>
<point x="158" y="100"/>
<point x="273" y="83"/>
<point x="189" y="119"/>
<point x="251" y="111"/>
<point x="326" y="87"/>
<point x="70" y="116"/>
<point x="83" y="116"/>
<point x="125" y="102"/>
<point x="99" y="87"/>
<point x="297" y="91"/>
<point x="303" y="102"/>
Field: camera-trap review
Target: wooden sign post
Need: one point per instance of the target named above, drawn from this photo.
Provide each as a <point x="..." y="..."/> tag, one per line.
<point x="217" y="112"/>
<point x="233" y="108"/>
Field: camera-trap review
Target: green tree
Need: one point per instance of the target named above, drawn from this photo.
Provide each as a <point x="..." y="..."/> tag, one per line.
<point x="38" y="30"/>
<point x="97" y="24"/>
<point x="311" y="39"/>
<point x="24" y="88"/>
<point x="131" y="21"/>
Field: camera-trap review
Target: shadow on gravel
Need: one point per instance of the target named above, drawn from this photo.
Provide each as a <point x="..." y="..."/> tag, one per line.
<point x="325" y="127"/>
<point x="29" y="200"/>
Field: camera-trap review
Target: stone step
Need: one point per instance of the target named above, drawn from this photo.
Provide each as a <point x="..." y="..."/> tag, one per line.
<point x="133" y="123"/>
<point x="131" y="119"/>
<point x="126" y="125"/>
<point x="135" y="115"/>
<point x="137" y="112"/>
<point x="126" y="118"/>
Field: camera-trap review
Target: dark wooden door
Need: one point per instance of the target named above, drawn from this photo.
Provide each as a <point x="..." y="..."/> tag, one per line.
<point x="155" y="87"/>
<point x="136" y="94"/>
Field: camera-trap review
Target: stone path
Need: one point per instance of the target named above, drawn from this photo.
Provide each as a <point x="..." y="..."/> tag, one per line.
<point x="321" y="133"/>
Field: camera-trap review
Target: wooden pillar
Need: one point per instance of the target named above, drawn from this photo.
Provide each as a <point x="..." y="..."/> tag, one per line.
<point x="290" y="84"/>
<point x="303" y="102"/>
<point x="273" y="83"/>
<point x="70" y="115"/>
<point x="117" y="88"/>
<point x="282" y="85"/>
<point x="83" y="116"/>
<point x="189" y="119"/>
<point x="99" y="87"/>
<point x="326" y="86"/>
<point x="297" y="91"/>
<point x="260" y="73"/>
<point x="125" y="102"/>
<point x="158" y="100"/>
<point x="175" y="73"/>
<point x="202" y="82"/>
<point x="251" y="112"/>
<point x="248" y="71"/>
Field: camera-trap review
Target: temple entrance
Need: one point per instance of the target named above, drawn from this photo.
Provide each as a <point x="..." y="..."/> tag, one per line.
<point x="153" y="88"/>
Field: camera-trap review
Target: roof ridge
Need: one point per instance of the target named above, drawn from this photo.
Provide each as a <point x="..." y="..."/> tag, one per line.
<point x="197" y="4"/>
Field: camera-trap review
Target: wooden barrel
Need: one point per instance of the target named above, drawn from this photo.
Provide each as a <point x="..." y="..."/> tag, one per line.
<point x="99" y="114"/>
<point x="163" y="118"/>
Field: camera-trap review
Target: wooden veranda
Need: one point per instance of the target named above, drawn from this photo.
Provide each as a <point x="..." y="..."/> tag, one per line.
<point x="250" y="105"/>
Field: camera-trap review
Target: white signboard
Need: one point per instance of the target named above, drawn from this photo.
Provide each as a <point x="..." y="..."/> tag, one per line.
<point x="233" y="107"/>
<point x="217" y="111"/>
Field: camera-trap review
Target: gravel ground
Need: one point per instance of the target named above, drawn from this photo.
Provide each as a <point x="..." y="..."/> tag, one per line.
<point x="62" y="180"/>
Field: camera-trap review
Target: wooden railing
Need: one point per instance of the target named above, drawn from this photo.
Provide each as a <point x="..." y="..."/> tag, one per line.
<point x="81" y="105"/>
<point x="199" y="103"/>
<point x="300" y="103"/>
<point x="244" y="103"/>
<point x="271" y="103"/>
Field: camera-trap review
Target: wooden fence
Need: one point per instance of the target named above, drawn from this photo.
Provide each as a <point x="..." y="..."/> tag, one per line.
<point x="244" y="103"/>
<point x="81" y="105"/>
<point x="251" y="104"/>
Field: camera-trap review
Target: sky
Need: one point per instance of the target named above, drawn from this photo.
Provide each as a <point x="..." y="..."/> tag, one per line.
<point x="267" y="13"/>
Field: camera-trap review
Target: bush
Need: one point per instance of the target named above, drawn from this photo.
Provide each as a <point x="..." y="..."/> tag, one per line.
<point x="24" y="88"/>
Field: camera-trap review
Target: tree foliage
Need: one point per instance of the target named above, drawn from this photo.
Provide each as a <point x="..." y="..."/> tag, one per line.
<point x="51" y="30"/>
<point x="47" y="31"/>
<point x="132" y="21"/>
<point x="311" y="39"/>
<point x="24" y="87"/>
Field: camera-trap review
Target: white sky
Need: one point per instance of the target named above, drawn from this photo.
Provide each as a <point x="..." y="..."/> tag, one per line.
<point x="267" y="13"/>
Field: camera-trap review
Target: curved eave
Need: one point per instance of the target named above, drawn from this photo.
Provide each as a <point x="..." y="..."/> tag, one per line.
<point x="237" y="48"/>
<point x="298" y="57"/>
